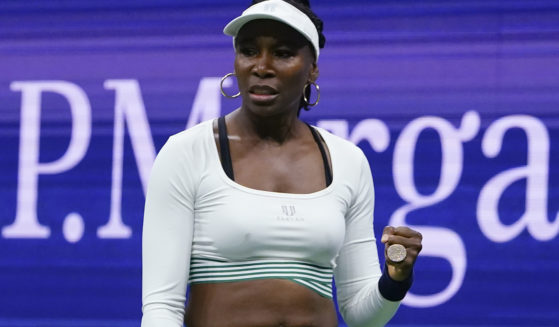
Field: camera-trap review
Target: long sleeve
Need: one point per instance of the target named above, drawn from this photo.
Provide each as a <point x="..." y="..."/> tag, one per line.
<point x="357" y="270"/>
<point x="167" y="238"/>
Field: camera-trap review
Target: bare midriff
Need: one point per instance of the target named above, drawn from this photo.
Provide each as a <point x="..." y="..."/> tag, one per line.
<point x="258" y="303"/>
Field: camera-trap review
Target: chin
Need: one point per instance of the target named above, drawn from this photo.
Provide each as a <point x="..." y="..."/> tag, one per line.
<point x="264" y="110"/>
<point x="268" y="109"/>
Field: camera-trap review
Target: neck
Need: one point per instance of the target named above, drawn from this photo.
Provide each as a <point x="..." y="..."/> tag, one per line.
<point x="276" y="128"/>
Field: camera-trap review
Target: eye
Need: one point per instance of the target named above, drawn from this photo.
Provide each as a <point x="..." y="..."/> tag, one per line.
<point x="247" y="51"/>
<point x="284" y="53"/>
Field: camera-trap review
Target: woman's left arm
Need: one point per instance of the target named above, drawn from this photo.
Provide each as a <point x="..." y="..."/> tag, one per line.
<point x="366" y="295"/>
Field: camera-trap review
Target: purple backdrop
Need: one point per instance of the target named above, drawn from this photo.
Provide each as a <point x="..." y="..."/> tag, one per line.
<point x="455" y="103"/>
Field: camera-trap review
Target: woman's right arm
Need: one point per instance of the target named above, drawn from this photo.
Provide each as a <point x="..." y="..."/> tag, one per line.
<point x="167" y="238"/>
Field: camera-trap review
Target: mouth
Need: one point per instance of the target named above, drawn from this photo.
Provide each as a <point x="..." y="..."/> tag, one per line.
<point x="262" y="94"/>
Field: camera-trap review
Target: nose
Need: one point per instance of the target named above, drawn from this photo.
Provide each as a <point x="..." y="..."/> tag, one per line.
<point x="263" y="65"/>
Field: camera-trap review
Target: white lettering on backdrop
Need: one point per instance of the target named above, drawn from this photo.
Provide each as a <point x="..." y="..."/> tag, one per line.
<point x="438" y="242"/>
<point x="26" y="224"/>
<point x="129" y="108"/>
<point x="536" y="173"/>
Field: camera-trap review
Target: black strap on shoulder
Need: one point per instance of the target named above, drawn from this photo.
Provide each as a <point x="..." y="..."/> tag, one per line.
<point x="327" y="170"/>
<point x="225" y="154"/>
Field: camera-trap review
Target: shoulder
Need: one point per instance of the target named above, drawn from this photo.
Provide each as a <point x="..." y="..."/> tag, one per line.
<point x="194" y="134"/>
<point x="190" y="141"/>
<point x="194" y="142"/>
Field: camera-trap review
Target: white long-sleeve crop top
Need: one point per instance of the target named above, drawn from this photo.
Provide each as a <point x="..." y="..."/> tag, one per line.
<point x="201" y="226"/>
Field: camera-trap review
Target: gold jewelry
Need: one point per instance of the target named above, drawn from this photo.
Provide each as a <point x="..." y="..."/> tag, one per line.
<point x="221" y="87"/>
<point x="317" y="94"/>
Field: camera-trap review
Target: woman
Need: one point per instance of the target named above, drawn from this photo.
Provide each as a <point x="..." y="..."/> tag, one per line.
<point x="258" y="210"/>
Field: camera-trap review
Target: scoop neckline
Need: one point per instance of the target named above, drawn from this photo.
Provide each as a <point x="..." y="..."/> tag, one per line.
<point x="216" y="160"/>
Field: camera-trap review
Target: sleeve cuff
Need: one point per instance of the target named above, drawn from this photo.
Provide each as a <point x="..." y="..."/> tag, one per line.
<point x="393" y="290"/>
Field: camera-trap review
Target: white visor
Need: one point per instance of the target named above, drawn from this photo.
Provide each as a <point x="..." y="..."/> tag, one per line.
<point x="277" y="10"/>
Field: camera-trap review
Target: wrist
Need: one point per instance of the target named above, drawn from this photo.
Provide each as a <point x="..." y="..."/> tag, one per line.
<point x="398" y="274"/>
<point x="391" y="289"/>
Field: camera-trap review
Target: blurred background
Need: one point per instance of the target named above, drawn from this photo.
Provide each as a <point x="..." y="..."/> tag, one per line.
<point x="455" y="104"/>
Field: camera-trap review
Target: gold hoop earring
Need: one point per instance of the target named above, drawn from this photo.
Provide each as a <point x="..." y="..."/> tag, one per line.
<point x="221" y="87"/>
<point x="317" y="94"/>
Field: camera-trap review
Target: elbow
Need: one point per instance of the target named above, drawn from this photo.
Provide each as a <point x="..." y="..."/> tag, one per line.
<point x="156" y="314"/>
<point x="354" y="318"/>
<point x="367" y="309"/>
<point x="354" y="313"/>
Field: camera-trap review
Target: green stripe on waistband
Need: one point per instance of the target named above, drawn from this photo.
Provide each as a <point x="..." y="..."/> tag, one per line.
<point x="314" y="277"/>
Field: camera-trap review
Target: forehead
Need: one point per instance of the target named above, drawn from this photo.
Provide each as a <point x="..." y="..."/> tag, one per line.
<point x="276" y="30"/>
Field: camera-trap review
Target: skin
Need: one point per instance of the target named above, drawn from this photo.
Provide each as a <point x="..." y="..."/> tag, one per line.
<point x="272" y="150"/>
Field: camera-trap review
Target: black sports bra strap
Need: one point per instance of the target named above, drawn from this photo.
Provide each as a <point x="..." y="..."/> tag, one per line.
<point x="327" y="170"/>
<point x="225" y="154"/>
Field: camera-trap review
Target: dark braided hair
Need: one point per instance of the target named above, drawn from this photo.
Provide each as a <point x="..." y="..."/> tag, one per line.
<point x="305" y="7"/>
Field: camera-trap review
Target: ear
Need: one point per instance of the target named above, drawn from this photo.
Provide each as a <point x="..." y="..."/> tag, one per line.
<point x="313" y="74"/>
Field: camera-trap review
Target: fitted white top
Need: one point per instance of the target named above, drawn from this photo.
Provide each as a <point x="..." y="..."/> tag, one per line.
<point x="195" y="212"/>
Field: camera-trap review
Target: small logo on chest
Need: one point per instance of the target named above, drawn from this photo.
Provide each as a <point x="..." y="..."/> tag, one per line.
<point x="288" y="210"/>
<point x="289" y="213"/>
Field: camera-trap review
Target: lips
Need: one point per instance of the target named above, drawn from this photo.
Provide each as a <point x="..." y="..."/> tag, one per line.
<point x="262" y="94"/>
<point x="262" y="90"/>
